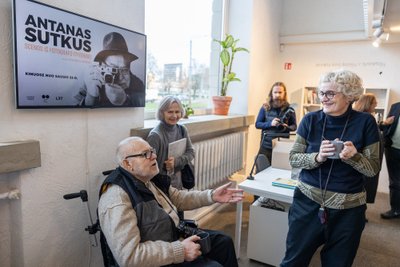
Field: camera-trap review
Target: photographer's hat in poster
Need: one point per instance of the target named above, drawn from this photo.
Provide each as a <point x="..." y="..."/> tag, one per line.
<point x="114" y="44"/>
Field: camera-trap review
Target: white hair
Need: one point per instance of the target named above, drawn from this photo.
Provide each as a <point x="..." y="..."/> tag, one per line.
<point x="124" y="147"/>
<point x="347" y="82"/>
<point x="164" y="105"/>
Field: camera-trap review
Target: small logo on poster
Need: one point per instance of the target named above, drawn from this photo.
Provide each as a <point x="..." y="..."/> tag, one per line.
<point x="288" y="66"/>
<point x="45" y="98"/>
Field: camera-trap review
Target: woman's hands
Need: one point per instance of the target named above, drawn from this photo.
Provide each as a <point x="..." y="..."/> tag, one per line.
<point x="327" y="149"/>
<point x="388" y="121"/>
<point x="170" y="164"/>
<point x="348" y="151"/>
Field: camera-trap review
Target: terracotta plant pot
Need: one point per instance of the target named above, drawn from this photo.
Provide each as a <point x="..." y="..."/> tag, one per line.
<point x="221" y="104"/>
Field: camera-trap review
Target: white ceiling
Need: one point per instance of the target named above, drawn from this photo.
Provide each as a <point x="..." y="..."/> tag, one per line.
<point x="386" y="11"/>
<point x="340" y="20"/>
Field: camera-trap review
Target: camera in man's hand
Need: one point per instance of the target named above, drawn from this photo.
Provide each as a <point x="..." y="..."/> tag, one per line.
<point x="285" y="118"/>
<point x="187" y="228"/>
<point x="109" y="74"/>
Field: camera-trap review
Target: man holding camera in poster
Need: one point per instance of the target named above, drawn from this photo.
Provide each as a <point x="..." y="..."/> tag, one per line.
<point x="110" y="81"/>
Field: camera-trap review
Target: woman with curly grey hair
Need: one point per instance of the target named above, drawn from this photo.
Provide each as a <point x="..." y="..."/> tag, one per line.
<point x="335" y="147"/>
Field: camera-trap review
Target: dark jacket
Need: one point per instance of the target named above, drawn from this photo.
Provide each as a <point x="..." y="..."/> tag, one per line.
<point x="158" y="226"/>
<point x="390" y="129"/>
<point x="265" y="118"/>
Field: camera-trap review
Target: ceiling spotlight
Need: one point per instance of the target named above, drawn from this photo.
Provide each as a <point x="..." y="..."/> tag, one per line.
<point x="376" y="23"/>
<point x="377" y="42"/>
<point x="378" y="32"/>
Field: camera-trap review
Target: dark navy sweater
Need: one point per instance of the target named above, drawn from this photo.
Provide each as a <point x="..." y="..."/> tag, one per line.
<point x="361" y="129"/>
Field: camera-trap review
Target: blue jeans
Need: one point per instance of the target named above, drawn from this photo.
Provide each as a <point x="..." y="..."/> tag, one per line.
<point x="340" y="236"/>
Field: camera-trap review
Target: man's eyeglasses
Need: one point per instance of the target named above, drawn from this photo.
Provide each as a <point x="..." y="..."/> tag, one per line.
<point x="328" y="94"/>
<point x="146" y="154"/>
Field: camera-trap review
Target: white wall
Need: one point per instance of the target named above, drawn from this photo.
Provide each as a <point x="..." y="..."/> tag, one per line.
<point x="42" y="229"/>
<point x="269" y="21"/>
<point x="256" y="24"/>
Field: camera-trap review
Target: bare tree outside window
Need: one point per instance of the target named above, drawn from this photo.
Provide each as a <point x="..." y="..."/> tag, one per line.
<point x="179" y="50"/>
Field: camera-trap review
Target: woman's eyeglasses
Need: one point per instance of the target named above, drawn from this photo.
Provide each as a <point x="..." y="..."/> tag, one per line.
<point x="146" y="154"/>
<point x="328" y="94"/>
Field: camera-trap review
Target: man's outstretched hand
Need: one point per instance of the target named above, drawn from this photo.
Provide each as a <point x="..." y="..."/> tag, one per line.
<point x="225" y="194"/>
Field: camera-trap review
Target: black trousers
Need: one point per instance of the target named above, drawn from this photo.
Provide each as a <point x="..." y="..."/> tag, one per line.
<point x="371" y="186"/>
<point x="340" y="237"/>
<point x="222" y="253"/>
<point x="392" y="161"/>
<point x="267" y="152"/>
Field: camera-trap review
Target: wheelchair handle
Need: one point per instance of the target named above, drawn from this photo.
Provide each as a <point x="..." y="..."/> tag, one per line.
<point x="82" y="194"/>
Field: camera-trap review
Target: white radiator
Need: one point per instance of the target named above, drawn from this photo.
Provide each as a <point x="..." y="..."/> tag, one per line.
<point x="218" y="158"/>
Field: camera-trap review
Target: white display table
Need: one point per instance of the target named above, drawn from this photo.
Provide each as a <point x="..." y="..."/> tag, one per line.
<point x="267" y="227"/>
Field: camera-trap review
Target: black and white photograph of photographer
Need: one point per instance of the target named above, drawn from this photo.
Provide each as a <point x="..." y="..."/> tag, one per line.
<point x="275" y="117"/>
<point x="109" y="81"/>
<point x="138" y="214"/>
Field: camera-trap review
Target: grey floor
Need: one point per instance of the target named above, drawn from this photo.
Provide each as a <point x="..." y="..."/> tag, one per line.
<point x="380" y="243"/>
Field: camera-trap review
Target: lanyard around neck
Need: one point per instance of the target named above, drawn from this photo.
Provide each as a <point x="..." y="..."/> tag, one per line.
<point x="323" y="190"/>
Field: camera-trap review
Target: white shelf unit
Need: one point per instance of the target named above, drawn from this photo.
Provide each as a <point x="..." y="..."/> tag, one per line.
<point x="310" y="101"/>
<point x="382" y="97"/>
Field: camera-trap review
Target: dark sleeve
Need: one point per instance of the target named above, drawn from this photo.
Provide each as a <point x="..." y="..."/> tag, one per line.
<point x="260" y="122"/>
<point x="292" y="123"/>
<point x="367" y="160"/>
<point x="304" y="127"/>
<point x="373" y="132"/>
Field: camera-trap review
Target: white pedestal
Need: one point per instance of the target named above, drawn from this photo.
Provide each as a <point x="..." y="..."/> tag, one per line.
<point x="267" y="234"/>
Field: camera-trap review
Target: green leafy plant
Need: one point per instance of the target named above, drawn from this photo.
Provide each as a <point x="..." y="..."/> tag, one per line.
<point x="227" y="55"/>
<point x="188" y="110"/>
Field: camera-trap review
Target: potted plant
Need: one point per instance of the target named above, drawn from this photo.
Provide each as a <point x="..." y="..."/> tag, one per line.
<point x="227" y="55"/>
<point x="188" y="110"/>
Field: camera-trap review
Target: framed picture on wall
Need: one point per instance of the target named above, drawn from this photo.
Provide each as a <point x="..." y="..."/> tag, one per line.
<point x="65" y="60"/>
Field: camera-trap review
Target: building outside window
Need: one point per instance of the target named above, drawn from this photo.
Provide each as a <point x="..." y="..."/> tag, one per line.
<point x="182" y="58"/>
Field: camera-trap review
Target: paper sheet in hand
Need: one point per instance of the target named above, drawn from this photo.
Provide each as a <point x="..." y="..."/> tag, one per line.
<point x="177" y="148"/>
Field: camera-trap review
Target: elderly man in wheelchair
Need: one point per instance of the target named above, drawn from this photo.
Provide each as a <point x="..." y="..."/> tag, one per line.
<point x="139" y="220"/>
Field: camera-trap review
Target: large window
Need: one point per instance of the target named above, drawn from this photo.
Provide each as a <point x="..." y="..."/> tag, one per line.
<point x="182" y="58"/>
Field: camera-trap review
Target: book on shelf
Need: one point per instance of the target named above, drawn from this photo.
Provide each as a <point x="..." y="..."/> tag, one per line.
<point x="312" y="96"/>
<point x="285" y="182"/>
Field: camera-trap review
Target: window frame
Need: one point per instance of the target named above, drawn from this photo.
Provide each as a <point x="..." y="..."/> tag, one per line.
<point x="216" y="33"/>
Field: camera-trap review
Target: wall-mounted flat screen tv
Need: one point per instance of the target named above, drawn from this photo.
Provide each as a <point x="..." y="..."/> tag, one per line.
<point x="65" y="60"/>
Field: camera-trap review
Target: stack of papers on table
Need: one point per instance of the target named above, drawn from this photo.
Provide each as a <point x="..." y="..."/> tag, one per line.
<point x="285" y="182"/>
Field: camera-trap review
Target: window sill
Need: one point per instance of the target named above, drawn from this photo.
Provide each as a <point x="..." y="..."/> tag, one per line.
<point x="19" y="155"/>
<point x="204" y="126"/>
